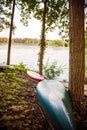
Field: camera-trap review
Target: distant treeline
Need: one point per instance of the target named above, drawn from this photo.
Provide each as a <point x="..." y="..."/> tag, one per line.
<point x="20" y="40"/>
<point x="34" y="41"/>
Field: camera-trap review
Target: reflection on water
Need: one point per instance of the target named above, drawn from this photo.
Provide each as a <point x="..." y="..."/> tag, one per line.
<point x="28" y="55"/>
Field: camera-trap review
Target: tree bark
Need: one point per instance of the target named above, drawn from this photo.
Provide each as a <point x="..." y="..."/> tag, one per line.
<point x="77" y="51"/>
<point x="10" y="34"/>
<point x="42" y="40"/>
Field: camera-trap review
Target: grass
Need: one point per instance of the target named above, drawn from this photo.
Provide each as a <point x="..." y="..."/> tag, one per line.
<point x="18" y="103"/>
<point x="19" y="108"/>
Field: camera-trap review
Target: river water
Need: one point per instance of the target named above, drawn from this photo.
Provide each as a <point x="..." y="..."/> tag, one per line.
<point x="28" y="55"/>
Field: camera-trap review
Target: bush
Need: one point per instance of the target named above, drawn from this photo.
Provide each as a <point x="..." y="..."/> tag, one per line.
<point x="58" y="43"/>
<point x="86" y="43"/>
<point x="86" y="71"/>
<point x="21" y="67"/>
<point x="52" y="71"/>
<point x="66" y="44"/>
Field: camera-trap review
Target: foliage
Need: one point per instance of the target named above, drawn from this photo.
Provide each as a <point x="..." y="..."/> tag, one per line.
<point x="86" y="28"/>
<point x="58" y="43"/>
<point x="55" y="9"/>
<point x="18" y="107"/>
<point x="5" y="14"/>
<point x="30" y="41"/>
<point x="86" y="38"/>
<point x="3" y="40"/>
<point x="85" y="43"/>
<point x="26" y="7"/>
<point x="50" y="12"/>
<point x="66" y="44"/>
<point x="86" y="71"/>
<point x="52" y="71"/>
<point x="21" y="67"/>
<point x="9" y="71"/>
<point x="85" y="51"/>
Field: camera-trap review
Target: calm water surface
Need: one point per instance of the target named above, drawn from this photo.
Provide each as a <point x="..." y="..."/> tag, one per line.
<point x="28" y="55"/>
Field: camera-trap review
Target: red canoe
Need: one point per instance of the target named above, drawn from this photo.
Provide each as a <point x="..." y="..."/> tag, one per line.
<point x="35" y="76"/>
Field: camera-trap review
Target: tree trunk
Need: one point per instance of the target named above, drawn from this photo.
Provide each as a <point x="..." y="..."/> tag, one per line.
<point x="77" y="51"/>
<point x="10" y="35"/>
<point x="42" y="40"/>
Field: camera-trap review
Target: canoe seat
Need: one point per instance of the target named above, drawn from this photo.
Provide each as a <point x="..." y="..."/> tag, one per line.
<point x="55" y="101"/>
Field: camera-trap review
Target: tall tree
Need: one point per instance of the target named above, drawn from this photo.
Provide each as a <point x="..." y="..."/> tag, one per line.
<point x="49" y="12"/>
<point x="77" y="52"/>
<point x="42" y="40"/>
<point x="10" y="34"/>
<point x="50" y="16"/>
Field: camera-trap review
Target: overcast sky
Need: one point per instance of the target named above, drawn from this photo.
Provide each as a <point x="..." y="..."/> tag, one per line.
<point x="32" y="31"/>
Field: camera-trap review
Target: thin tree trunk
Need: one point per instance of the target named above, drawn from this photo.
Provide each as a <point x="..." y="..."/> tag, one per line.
<point x="42" y="40"/>
<point x="10" y="34"/>
<point x="77" y="51"/>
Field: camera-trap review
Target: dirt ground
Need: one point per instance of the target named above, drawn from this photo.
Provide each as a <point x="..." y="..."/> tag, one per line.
<point x="19" y="109"/>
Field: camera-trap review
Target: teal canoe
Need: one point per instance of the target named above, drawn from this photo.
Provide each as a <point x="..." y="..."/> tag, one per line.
<point x="55" y="100"/>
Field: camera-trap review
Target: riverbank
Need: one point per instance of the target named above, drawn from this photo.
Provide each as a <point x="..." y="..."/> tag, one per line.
<point x="28" y="55"/>
<point x="34" y="41"/>
<point x="19" y="109"/>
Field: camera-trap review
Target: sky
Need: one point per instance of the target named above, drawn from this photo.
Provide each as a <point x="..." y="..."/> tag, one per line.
<point x="32" y="31"/>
